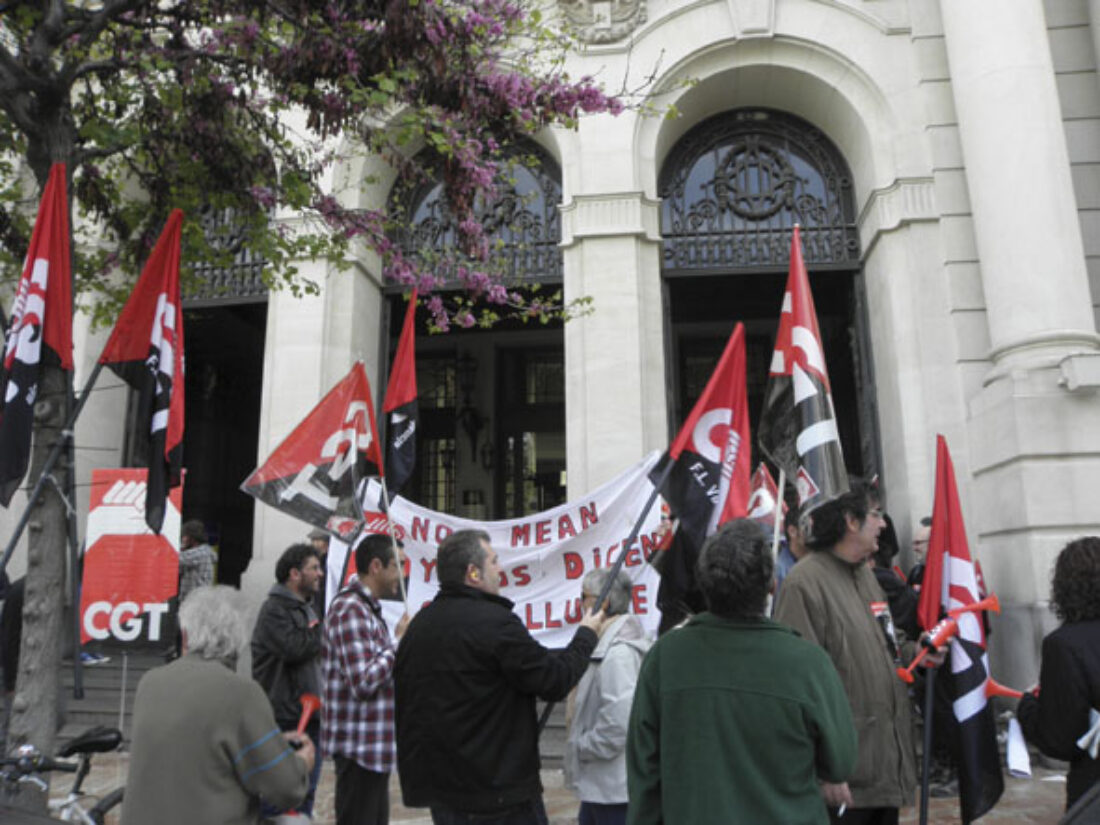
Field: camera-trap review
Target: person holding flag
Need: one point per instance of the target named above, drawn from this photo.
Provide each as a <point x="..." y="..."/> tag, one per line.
<point x="831" y="598"/>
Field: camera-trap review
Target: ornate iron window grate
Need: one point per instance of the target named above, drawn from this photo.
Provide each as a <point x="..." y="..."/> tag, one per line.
<point x="734" y="186"/>
<point x="241" y="280"/>
<point x="522" y="223"/>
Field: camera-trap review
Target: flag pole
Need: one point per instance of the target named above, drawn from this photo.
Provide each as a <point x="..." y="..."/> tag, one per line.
<point x="926" y="756"/>
<point x="778" y="512"/>
<point x="393" y="543"/>
<point x="47" y="467"/>
<point x="618" y="565"/>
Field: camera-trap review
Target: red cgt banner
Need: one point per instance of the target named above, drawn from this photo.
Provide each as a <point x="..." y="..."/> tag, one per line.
<point x="130" y="572"/>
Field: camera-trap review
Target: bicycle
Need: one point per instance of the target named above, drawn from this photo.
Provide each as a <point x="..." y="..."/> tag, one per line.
<point x="28" y="765"/>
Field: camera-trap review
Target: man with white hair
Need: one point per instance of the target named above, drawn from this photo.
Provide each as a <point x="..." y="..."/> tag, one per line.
<point x="205" y="744"/>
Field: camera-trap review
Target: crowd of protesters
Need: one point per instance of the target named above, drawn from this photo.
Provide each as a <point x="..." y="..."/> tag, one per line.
<point x="731" y="715"/>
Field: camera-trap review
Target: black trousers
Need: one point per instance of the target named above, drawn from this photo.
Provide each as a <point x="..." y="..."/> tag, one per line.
<point x="362" y="796"/>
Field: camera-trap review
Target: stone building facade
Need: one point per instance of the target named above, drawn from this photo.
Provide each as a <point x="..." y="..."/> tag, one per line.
<point x="943" y="160"/>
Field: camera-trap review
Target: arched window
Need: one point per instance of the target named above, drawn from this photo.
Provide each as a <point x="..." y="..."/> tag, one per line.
<point x="523" y="218"/>
<point x="733" y="187"/>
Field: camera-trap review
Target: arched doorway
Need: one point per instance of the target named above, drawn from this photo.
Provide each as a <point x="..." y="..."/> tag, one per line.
<point x="491" y="443"/>
<point x="731" y="191"/>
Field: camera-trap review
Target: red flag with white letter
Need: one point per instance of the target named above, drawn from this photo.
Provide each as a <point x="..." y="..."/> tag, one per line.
<point x="146" y="351"/>
<point x="798" y="429"/>
<point x="43" y="314"/>
<point x="763" y="498"/>
<point x="316" y="473"/>
<point x="951" y="582"/>
<point x="708" y="484"/>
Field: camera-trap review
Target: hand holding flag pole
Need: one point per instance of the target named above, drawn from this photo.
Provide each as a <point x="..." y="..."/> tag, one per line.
<point x="605" y="591"/>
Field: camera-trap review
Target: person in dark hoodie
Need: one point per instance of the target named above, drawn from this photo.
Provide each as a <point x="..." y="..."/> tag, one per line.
<point x="286" y="646"/>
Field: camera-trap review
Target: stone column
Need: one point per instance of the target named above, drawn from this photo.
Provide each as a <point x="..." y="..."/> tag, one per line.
<point x="614" y="357"/>
<point x="1034" y="432"/>
<point x="1018" y="173"/>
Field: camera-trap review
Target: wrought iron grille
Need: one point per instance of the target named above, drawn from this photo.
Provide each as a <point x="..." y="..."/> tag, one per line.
<point x="734" y="186"/>
<point x="241" y="280"/>
<point x="522" y="223"/>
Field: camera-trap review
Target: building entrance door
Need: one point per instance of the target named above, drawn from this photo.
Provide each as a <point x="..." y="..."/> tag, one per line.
<point x="732" y="190"/>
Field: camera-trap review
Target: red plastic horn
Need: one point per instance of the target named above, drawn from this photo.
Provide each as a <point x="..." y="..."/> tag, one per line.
<point x="990" y="603"/>
<point x="997" y="689"/>
<point x="942" y="633"/>
<point x="310" y="703"/>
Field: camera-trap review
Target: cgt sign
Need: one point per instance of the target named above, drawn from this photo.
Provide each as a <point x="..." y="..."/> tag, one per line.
<point x="130" y="572"/>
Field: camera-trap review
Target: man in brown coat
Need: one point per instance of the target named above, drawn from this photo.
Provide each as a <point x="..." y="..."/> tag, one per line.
<point x="831" y="597"/>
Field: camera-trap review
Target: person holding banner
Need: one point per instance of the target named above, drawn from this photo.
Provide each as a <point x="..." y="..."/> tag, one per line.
<point x="467" y="676"/>
<point x="598" y="712"/>
<point x="735" y="718"/>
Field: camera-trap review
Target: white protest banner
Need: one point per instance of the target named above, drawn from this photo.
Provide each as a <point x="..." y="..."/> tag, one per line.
<point x="543" y="557"/>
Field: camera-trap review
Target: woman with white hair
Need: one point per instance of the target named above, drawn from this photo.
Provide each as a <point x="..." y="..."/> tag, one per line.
<point x="205" y="744"/>
<point x="598" y="712"/>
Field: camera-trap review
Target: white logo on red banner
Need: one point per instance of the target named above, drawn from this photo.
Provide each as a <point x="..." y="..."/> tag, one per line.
<point x="130" y="572"/>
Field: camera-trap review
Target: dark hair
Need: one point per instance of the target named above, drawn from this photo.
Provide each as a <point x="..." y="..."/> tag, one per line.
<point x="1075" y="587"/>
<point x="828" y="521"/>
<point x="374" y="546"/>
<point x="194" y="529"/>
<point x="887" y="544"/>
<point x="294" y="558"/>
<point x="735" y="570"/>
<point x="457" y="552"/>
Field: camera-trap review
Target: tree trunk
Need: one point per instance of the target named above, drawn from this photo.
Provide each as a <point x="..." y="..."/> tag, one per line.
<point x="34" y="717"/>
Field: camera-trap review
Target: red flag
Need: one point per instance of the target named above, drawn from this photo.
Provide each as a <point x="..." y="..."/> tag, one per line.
<point x="146" y="350"/>
<point x="763" y="498"/>
<point x="316" y="473"/>
<point x="798" y="429"/>
<point x="42" y="314"/>
<point x="709" y="480"/>
<point x="400" y="405"/>
<point x="951" y="582"/>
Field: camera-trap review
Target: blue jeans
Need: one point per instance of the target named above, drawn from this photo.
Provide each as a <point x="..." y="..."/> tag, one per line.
<point x="527" y="813"/>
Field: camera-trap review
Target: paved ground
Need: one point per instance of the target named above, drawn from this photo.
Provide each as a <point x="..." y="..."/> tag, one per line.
<point x="1036" y="801"/>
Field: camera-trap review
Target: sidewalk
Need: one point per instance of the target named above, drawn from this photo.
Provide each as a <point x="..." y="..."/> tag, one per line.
<point x="1036" y="801"/>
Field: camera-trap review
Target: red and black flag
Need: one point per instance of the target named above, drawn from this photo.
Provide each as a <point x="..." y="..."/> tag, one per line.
<point x="317" y="472"/>
<point x="400" y="406"/>
<point x="764" y="497"/>
<point x="798" y="429"/>
<point x="708" y="483"/>
<point x="146" y="351"/>
<point x="43" y="314"/>
<point x="951" y="582"/>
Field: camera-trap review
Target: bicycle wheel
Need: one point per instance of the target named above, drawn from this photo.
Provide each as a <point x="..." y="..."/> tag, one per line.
<point x="99" y="812"/>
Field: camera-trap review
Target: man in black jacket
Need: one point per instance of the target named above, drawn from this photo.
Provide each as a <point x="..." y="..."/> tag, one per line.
<point x="467" y="675"/>
<point x="286" y="646"/>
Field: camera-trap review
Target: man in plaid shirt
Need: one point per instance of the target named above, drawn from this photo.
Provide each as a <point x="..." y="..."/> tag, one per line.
<point x="358" y="656"/>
